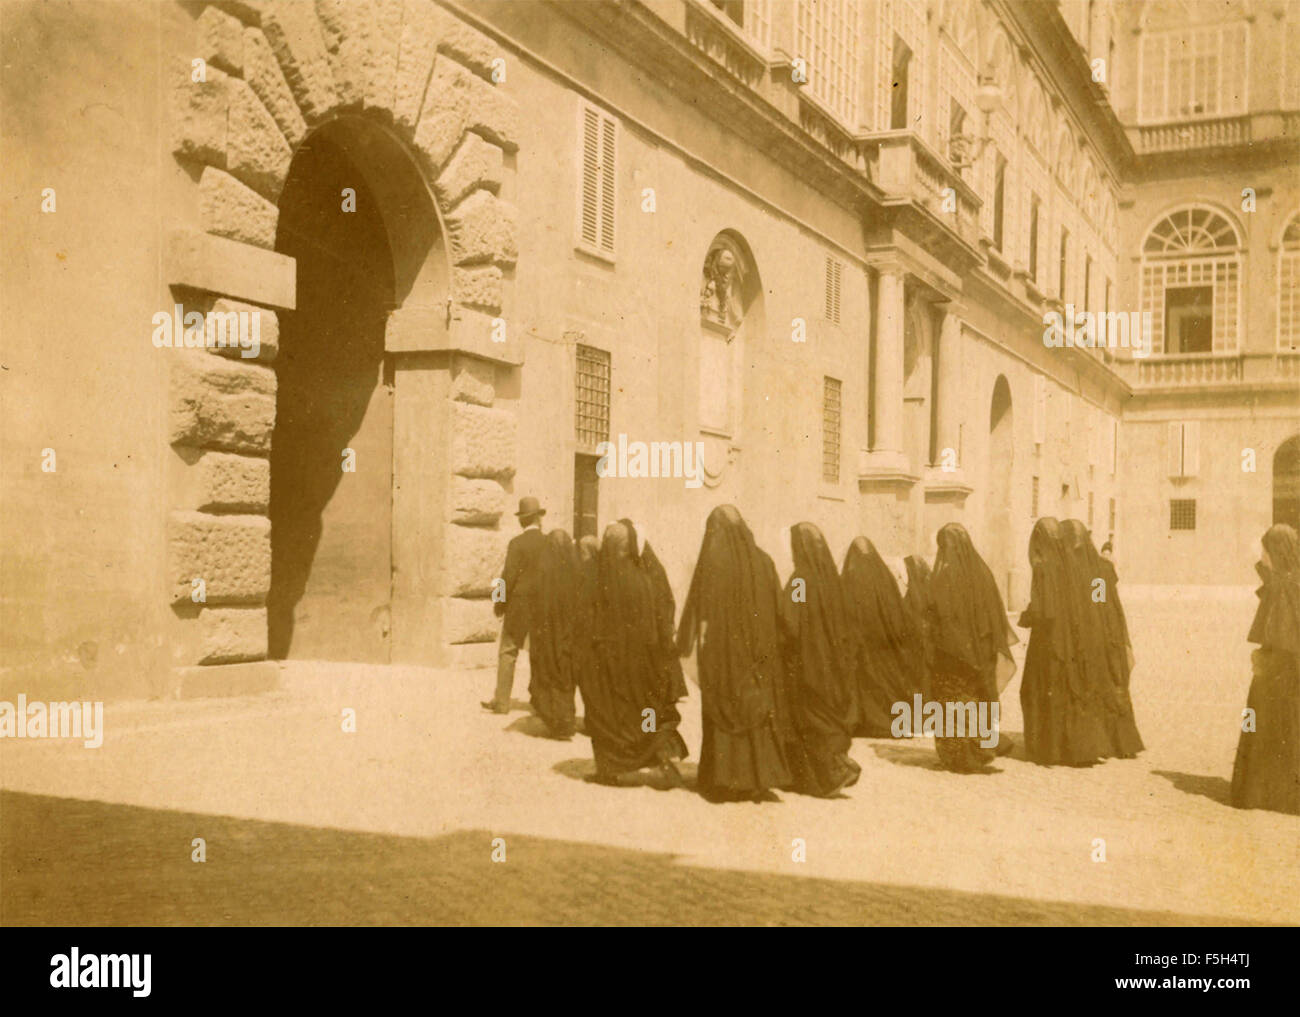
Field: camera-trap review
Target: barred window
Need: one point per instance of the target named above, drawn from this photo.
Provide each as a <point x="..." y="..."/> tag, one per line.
<point x="592" y="401"/>
<point x="1182" y="513"/>
<point x="834" y="279"/>
<point x="831" y="417"/>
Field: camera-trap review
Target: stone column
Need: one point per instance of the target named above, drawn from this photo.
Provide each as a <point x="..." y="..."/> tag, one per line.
<point x="947" y="390"/>
<point x="887" y="387"/>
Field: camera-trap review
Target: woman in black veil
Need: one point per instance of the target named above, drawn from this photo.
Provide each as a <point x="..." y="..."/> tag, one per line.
<point x="630" y="716"/>
<point x="551" y="653"/>
<point x="1065" y="719"/>
<point x="731" y="615"/>
<point x="821" y="651"/>
<point x="889" y="666"/>
<point x="1266" y="774"/>
<point x="972" y="642"/>
<point x="1105" y="617"/>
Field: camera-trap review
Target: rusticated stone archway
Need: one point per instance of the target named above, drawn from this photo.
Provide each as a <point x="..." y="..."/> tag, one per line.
<point x="274" y="74"/>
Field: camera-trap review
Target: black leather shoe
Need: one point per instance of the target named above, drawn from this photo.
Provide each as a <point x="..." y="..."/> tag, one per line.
<point x="493" y="706"/>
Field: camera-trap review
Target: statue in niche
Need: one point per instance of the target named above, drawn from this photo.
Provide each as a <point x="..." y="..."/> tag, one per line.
<point x="720" y="289"/>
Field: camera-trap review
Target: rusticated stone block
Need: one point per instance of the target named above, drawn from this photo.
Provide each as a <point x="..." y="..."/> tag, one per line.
<point x="384" y="36"/>
<point x="256" y="151"/>
<point x="483" y="441"/>
<point x="474" y="381"/>
<point x="231" y="554"/>
<point x="264" y="326"/>
<point x="292" y="29"/>
<point x="477" y="287"/>
<point x="249" y="10"/>
<point x="418" y="44"/>
<point x="343" y="28"/>
<point x="264" y="77"/>
<point x="228" y="208"/>
<point x="221" y="40"/>
<point x="197" y="114"/>
<point x="475" y="502"/>
<point x="456" y="101"/>
<point x="468" y="45"/>
<point x="468" y="621"/>
<point x="482" y="228"/>
<point x="202" y="261"/>
<point x="232" y="483"/>
<point x="219" y="403"/>
<point x="472" y="559"/>
<point x="476" y="164"/>
<point x="229" y="634"/>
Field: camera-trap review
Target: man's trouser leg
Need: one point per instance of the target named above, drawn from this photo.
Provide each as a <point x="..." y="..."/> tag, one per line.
<point x="507" y="654"/>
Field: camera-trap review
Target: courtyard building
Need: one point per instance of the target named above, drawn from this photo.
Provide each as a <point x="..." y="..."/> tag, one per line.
<point x="637" y="260"/>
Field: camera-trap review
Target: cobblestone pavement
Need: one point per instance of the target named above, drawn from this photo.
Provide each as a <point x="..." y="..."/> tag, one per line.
<point x="395" y="823"/>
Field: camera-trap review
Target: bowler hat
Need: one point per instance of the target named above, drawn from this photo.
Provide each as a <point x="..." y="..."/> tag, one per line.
<point x="530" y="507"/>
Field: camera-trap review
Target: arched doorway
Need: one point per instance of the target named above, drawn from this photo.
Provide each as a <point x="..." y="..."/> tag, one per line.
<point x="332" y="448"/>
<point x="1000" y="553"/>
<point x="362" y="227"/>
<point x="1286" y="482"/>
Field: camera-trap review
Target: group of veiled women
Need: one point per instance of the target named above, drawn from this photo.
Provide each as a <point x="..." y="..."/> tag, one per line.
<point x="788" y="676"/>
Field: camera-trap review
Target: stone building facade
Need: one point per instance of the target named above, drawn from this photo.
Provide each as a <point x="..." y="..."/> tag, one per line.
<point x="806" y="248"/>
<point x="1210" y="236"/>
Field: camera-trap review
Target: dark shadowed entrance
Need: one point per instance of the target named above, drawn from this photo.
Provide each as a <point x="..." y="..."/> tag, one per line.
<point x="331" y="553"/>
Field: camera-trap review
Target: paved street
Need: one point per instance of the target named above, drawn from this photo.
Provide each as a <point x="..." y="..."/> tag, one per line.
<point x="307" y="824"/>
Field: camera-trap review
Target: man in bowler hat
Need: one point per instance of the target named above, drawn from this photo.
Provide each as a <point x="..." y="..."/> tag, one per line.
<point x="521" y="580"/>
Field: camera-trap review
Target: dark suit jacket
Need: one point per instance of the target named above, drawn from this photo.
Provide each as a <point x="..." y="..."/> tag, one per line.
<point x="522" y="575"/>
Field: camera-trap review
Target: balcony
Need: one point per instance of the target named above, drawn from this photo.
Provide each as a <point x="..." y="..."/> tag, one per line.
<point x="1204" y="372"/>
<point x="1206" y="133"/>
<point x="910" y="172"/>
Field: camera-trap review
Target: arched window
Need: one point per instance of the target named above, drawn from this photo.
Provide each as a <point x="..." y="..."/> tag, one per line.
<point x="1191" y="273"/>
<point x="1288" y="287"/>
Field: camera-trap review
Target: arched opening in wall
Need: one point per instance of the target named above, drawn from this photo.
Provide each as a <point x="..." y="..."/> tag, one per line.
<point x="355" y="216"/>
<point x="1286" y="482"/>
<point x="1000" y="553"/>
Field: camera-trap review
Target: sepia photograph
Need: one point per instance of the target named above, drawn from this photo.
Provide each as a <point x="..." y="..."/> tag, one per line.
<point x="650" y="463"/>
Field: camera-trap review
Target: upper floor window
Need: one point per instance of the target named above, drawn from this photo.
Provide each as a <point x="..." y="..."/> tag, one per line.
<point x="999" y="199"/>
<point x="753" y="17"/>
<point x="596" y="192"/>
<point x="898" y="119"/>
<point x="1064" y="279"/>
<point x="1191" y="268"/>
<point x="1288" y="287"/>
<point x="1191" y="72"/>
<point x="826" y="35"/>
<point x="1034" y="214"/>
